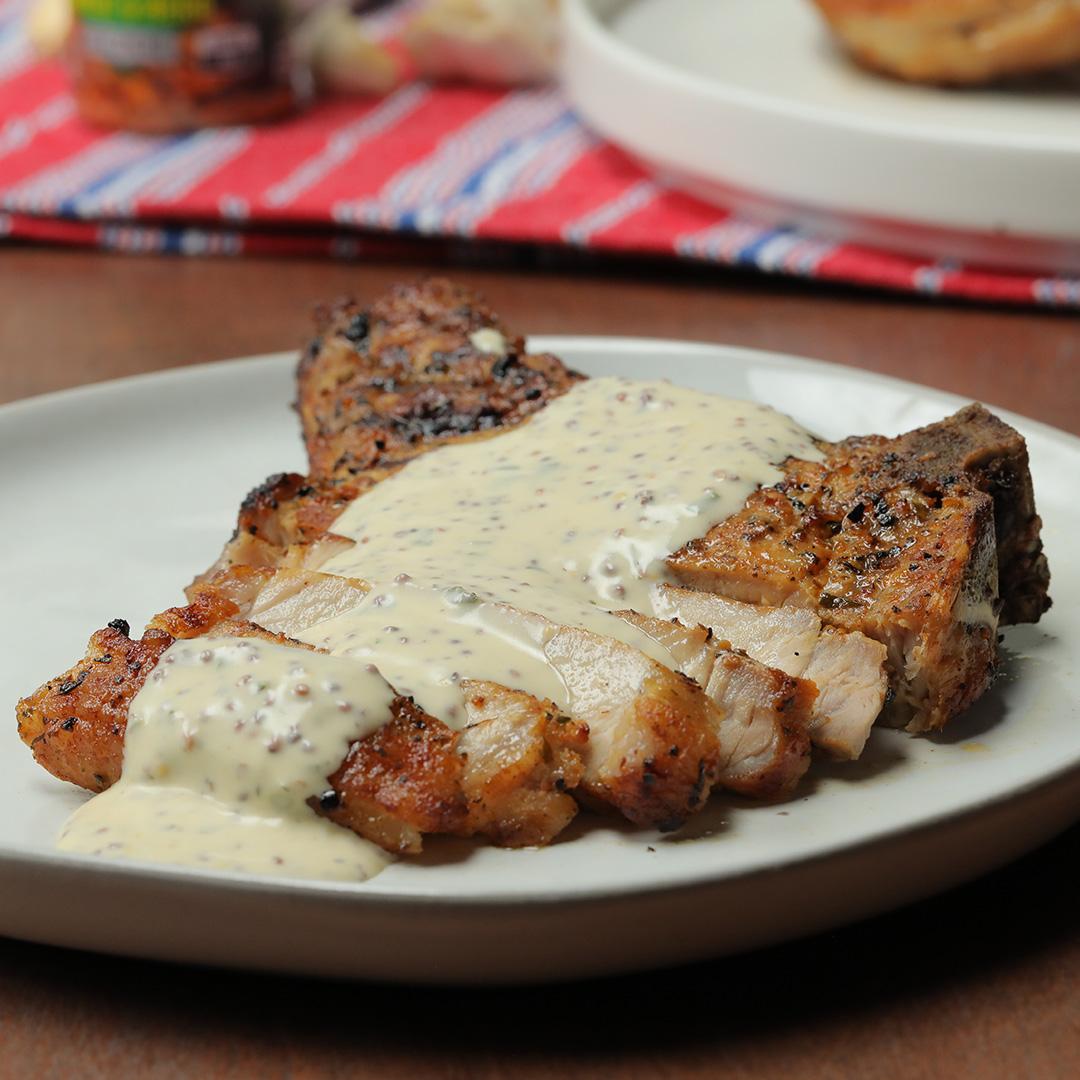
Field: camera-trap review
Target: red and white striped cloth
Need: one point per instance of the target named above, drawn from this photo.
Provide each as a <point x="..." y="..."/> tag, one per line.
<point x="356" y="177"/>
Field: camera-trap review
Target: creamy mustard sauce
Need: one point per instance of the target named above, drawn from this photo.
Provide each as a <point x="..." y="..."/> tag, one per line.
<point x="472" y="558"/>
<point x="226" y="742"/>
<point x="476" y="554"/>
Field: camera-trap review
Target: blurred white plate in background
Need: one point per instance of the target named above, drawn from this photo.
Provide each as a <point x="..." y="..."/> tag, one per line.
<point x="751" y="105"/>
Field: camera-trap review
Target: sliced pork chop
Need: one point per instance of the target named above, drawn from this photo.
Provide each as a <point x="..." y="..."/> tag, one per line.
<point x="507" y="776"/>
<point x="634" y="708"/>
<point x="847" y="668"/>
<point x="763" y="717"/>
<point x="894" y="538"/>
<point x="628" y="714"/>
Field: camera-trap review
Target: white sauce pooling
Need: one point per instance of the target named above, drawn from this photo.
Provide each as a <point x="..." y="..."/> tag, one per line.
<point x="567" y="517"/>
<point x="225" y="743"/>
<point x="475" y="556"/>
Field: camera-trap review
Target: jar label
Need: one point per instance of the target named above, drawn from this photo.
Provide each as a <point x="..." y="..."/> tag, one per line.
<point x="163" y="13"/>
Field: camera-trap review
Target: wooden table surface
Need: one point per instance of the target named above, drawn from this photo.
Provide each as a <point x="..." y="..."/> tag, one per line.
<point x="983" y="981"/>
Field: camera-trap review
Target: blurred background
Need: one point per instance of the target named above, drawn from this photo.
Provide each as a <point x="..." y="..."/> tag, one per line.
<point x="922" y="147"/>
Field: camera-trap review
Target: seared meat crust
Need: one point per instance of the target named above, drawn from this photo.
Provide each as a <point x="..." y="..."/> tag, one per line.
<point x="972" y="448"/>
<point x="401" y="781"/>
<point x="378" y="386"/>
<point x="896" y="538"/>
<point x="75" y="723"/>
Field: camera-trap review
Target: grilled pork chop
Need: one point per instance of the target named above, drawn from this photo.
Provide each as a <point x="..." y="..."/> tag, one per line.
<point x="898" y="539"/>
<point x="430" y="363"/>
<point x="641" y="738"/>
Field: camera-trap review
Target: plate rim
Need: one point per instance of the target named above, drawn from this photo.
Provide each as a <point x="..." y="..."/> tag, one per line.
<point x="419" y="897"/>
<point x="352" y="893"/>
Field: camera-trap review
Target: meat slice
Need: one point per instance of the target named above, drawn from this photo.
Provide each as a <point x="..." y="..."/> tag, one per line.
<point x="522" y="758"/>
<point x="506" y="776"/>
<point x="424" y="363"/>
<point x="633" y="708"/>
<point x="285" y="522"/>
<point x="295" y="598"/>
<point x="779" y="637"/>
<point x="894" y="538"/>
<point x="762" y="718"/>
<point x="74" y="724"/>
<point x="847" y="668"/>
<point x="652" y="752"/>
<point x="402" y="781"/>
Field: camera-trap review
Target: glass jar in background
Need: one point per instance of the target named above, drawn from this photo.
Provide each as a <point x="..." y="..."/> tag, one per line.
<point x="175" y="65"/>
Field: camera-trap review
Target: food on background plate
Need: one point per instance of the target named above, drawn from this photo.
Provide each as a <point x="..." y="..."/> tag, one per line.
<point x="48" y="25"/>
<point x="961" y="42"/>
<point x="505" y="592"/>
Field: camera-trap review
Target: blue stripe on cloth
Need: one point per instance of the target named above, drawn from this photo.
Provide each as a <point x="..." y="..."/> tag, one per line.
<point x="751" y="253"/>
<point x="69" y="206"/>
<point x="473" y="184"/>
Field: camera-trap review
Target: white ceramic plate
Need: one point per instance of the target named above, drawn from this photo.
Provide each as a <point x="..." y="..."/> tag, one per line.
<point x="115" y="495"/>
<point x="752" y="106"/>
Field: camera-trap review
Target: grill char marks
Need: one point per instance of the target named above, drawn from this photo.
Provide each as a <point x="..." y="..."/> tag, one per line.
<point x="896" y="538"/>
<point x="78" y="734"/>
<point x="379" y="386"/>
<point x="973" y="449"/>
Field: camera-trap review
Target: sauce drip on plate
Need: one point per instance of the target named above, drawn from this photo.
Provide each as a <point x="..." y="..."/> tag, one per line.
<point x="226" y="742"/>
